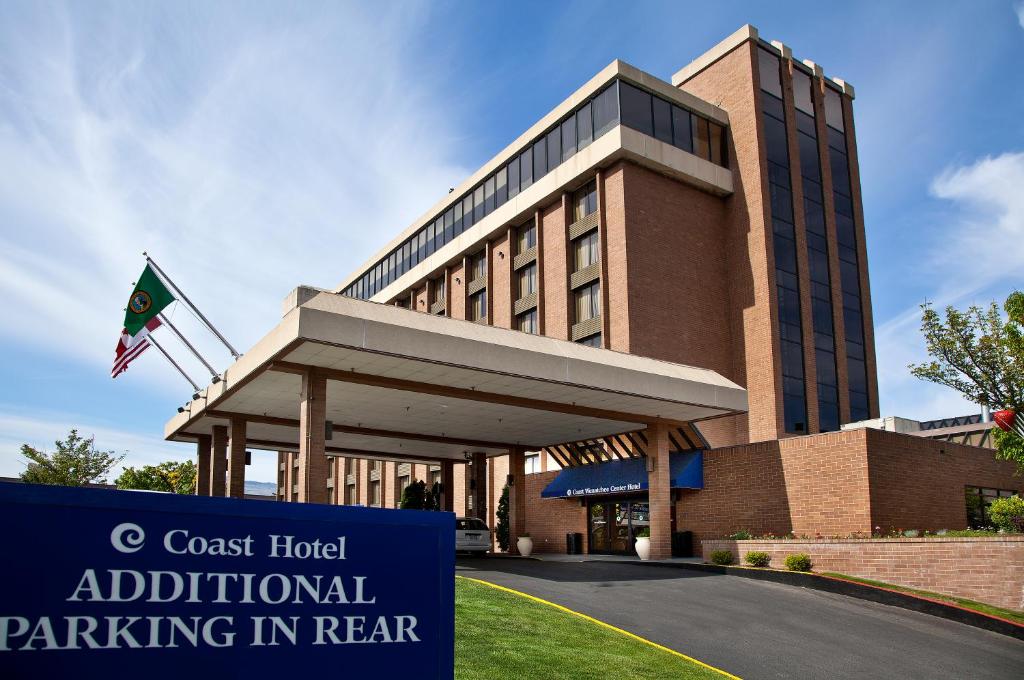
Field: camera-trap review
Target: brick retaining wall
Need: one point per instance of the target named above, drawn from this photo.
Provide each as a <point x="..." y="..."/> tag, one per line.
<point x="985" y="569"/>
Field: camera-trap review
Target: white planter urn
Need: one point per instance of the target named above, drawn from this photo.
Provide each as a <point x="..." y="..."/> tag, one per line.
<point x="525" y="545"/>
<point x="643" y="547"/>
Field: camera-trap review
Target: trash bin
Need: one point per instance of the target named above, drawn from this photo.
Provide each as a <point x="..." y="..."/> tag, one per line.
<point x="574" y="544"/>
<point x="682" y="544"/>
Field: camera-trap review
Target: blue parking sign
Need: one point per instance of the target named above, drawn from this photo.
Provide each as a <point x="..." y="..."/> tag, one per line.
<point x="106" y="584"/>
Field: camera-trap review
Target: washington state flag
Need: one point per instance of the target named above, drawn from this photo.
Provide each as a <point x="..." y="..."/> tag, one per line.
<point x="148" y="299"/>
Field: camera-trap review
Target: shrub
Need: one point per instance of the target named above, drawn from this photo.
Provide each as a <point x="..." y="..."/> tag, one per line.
<point x="758" y="558"/>
<point x="643" y="532"/>
<point x="721" y="557"/>
<point x="1007" y="513"/>
<point x="798" y="562"/>
<point x="740" y="535"/>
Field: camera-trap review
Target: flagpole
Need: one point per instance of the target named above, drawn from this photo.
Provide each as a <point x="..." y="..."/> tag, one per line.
<point x="188" y="302"/>
<point x="167" y="322"/>
<point x="152" y="341"/>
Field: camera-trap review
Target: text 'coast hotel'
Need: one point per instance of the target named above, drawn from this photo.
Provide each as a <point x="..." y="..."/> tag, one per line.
<point x="714" y="222"/>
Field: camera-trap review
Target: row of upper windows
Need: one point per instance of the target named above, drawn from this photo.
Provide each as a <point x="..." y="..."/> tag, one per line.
<point x="573" y="133"/>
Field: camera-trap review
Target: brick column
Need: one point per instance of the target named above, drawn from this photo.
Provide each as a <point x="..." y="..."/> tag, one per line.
<point x="236" y="459"/>
<point x="448" y="485"/>
<point x="516" y="497"/>
<point x="312" y="455"/>
<point x="203" y="445"/>
<point x="659" y="490"/>
<point x="219" y="459"/>
<point x="479" y="485"/>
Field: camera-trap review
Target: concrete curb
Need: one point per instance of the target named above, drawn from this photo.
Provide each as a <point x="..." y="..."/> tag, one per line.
<point x="860" y="591"/>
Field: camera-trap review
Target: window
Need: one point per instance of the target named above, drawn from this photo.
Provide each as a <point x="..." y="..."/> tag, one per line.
<point x="591" y="341"/>
<point x="662" y="120"/>
<point x="978" y="501"/>
<point x="717" y="144"/>
<point x="588" y="302"/>
<point x="479" y="266"/>
<point x="375" y="494"/>
<point x="701" y="138"/>
<point x="585" y="251"/>
<point x="478" y="306"/>
<point x="489" y="196"/>
<point x="682" y="136"/>
<point x="435" y="478"/>
<point x="527" y="322"/>
<point x="585" y="201"/>
<point x="554" y="148"/>
<point x="636" y="109"/>
<point x="526" y="237"/>
<point x="350" y="494"/>
<point x="439" y="290"/>
<point x="532" y="463"/>
<point x="606" y="110"/>
<point x="540" y="159"/>
<point x="527" y="280"/>
<point x="584" y="127"/>
<point x="376" y="466"/>
<point x="568" y="138"/>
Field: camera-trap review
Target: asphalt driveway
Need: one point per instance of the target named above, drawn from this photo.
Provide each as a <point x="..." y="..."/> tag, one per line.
<point x="756" y="629"/>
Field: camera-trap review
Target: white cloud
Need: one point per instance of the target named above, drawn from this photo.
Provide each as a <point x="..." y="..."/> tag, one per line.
<point x="248" y="155"/>
<point x="974" y="256"/>
<point x="1019" y="8"/>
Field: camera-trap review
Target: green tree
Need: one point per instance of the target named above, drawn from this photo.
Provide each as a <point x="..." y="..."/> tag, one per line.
<point x="76" y="462"/>
<point x="502" y="530"/>
<point x="435" y="496"/>
<point x="980" y="354"/>
<point x="414" y="496"/>
<point x="168" y="476"/>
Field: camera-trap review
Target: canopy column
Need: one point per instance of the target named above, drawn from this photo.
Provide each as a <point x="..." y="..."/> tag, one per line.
<point x="236" y="459"/>
<point x="659" y="490"/>
<point x="312" y="439"/>
<point x="478" y="470"/>
<point x="448" y="485"/>
<point x="516" y="496"/>
<point x="203" y="446"/>
<point x="218" y="460"/>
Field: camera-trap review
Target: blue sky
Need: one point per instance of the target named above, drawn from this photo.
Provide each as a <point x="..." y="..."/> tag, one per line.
<point x="251" y="147"/>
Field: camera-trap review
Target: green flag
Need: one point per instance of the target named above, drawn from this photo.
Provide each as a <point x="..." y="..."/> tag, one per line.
<point x="148" y="299"/>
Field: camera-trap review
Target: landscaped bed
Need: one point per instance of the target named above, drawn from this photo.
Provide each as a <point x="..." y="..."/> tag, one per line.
<point x="503" y="635"/>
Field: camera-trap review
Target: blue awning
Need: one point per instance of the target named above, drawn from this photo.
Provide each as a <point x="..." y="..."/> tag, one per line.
<point x="625" y="476"/>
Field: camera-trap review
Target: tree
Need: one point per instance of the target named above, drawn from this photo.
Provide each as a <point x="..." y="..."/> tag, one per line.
<point x="414" y="496"/>
<point x="502" y="530"/>
<point x="76" y="462"/>
<point x="435" y="493"/>
<point x="981" y="356"/>
<point x="168" y="476"/>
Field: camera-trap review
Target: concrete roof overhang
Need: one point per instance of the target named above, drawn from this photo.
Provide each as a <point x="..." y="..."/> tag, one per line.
<point x="404" y="385"/>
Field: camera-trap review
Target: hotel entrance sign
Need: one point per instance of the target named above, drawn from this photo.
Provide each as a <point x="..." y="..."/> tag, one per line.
<point x="105" y="584"/>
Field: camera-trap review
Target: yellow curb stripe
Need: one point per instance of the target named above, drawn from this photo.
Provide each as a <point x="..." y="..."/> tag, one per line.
<point x="600" y="623"/>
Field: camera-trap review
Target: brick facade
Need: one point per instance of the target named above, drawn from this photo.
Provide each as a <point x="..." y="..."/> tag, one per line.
<point x="988" y="570"/>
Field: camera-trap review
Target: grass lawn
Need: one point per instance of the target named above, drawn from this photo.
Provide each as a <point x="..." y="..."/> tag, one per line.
<point x="1012" y="615"/>
<point x="503" y="635"/>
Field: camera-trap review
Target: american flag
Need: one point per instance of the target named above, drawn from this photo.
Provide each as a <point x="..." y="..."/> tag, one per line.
<point x="131" y="346"/>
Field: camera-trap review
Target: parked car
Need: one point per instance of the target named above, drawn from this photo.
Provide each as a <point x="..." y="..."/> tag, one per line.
<point x="472" y="535"/>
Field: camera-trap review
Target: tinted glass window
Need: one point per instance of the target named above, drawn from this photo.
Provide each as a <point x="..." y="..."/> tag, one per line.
<point x="662" y="120"/>
<point x="802" y="92"/>
<point x="636" y="109"/>
<point x="717" y="143"/>
<point x="701" y="138"/>
<point x="681" y="134"/>
<point x="540" y="160"/>
<point x="568" y="138"/>
<point x="489" y="195"/>
<point x="584" y="126"/>
<point x="478" y="204"/>
<point x="834" y="109"/>
<point x="606" y="110"/>
<point x="768" y="67"/>
<point x="501" y="187"/>
<point x="554" y="148"/>
<point x="513" y="177"/>
<point x="526" y="169"/>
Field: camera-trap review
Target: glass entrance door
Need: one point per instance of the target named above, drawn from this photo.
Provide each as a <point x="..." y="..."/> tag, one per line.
<point x="613" y="525"/>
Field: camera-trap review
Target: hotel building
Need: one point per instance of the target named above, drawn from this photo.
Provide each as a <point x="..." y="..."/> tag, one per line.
<point x="713" y="221"/>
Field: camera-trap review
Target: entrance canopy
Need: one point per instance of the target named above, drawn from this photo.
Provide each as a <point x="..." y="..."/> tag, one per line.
<point x="403" y="385"/>
<point x="625" y="476"/>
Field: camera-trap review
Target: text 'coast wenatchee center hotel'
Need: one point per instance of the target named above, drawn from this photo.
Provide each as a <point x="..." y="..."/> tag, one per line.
<point x="652" y="309"/>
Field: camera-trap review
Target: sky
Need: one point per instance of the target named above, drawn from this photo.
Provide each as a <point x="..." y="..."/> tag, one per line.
<point x="252" y="147"/>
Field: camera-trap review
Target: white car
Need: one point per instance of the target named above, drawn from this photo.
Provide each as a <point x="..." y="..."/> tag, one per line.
<point x="472" y="535"/>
